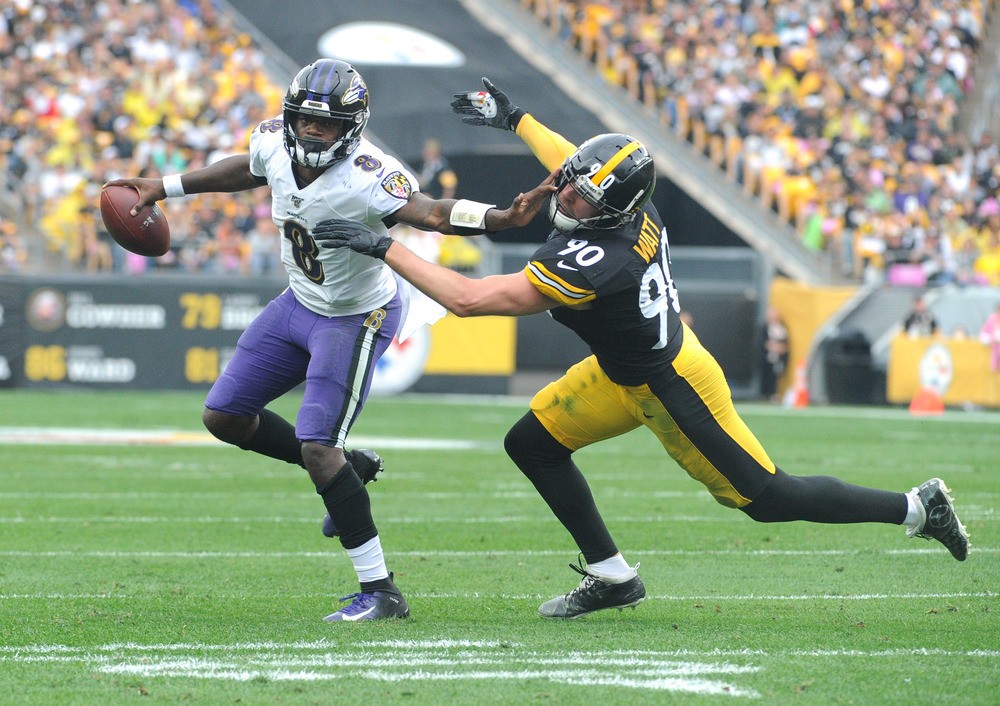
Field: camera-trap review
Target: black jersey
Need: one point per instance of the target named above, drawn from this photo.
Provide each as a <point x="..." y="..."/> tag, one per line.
<point x="617" y="294"/>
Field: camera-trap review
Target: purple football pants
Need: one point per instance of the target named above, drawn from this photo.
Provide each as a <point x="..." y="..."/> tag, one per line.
<point x="288" y="344"/>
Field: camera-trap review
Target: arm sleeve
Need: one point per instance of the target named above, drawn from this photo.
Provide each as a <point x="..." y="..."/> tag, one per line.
<point x="549" y="147"/>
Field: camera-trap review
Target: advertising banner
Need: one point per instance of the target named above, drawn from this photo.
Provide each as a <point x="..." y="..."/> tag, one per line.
<point x="140" y="333"/>
<point x="177" y="333"/>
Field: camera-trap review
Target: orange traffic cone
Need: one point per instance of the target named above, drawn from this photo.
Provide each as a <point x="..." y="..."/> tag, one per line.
<point x="926" y="401"/>
<point x="798" y="395"/>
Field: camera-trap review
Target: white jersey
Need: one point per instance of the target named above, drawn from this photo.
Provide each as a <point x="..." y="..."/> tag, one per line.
<point x="367" y="186"/>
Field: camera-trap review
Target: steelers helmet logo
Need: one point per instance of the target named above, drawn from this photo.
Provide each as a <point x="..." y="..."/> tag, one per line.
<point x="45" y="309"/>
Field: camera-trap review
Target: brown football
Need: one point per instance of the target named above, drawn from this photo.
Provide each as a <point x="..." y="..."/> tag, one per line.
<point x="146" y="233"/>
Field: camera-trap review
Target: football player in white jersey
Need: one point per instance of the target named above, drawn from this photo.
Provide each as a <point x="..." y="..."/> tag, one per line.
<point x="341" y="309"/>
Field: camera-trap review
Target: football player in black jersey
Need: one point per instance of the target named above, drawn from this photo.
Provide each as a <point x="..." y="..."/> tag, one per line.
<point x="604" y="272"/>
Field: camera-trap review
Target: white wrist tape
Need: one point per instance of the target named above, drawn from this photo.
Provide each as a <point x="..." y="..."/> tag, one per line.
<point x="172" y="185"/>
<point x="469" y="214"/>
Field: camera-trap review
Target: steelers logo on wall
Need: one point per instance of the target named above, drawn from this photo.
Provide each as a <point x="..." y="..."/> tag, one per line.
<point x="45" y="309"/>
<point x="937" y="369"/>
<point x="402" y="364"/>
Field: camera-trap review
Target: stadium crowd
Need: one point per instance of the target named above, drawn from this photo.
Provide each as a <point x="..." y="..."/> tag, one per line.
<point x="843" y="117"/>
<point x="94" y="91"/>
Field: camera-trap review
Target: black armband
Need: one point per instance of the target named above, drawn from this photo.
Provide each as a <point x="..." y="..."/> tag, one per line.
<point x="515" y="118"/>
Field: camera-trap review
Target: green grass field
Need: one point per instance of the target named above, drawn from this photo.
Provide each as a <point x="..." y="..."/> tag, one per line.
<point x="141" y="563"/>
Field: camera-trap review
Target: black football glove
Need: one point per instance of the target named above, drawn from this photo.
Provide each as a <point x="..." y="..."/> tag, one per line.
<point x="491" y="107"/>
<point x="341" y="233"/>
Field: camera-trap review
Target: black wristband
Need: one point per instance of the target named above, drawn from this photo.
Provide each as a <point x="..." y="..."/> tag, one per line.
<point x="515" y="118"/>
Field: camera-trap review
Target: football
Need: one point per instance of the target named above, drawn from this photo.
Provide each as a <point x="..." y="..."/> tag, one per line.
<point x="144" y="234"/>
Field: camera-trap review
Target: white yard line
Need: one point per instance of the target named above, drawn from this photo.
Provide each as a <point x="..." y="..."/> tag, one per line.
<point x="411" y="661"/>
<point x="747" y="409"/>
<point x="335" y="552"/>
<point x="712" y="672"/>
<point x="479" y="595"/>
<point x="445" y="644"/>
<point x="984" y="516"/>
<point x="62" y="436"/>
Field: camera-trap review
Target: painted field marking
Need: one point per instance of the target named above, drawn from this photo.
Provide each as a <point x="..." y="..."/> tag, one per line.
<point x="712" y="672"/>
<point x="418" y="660"/>
<point x="62" y="436"/>
<point x="437" y="595"/>
<point x="335" y="553"/>
<point x="23" y="519"/>
<point x="479" y="553"/>
<point x="899" y="414"/>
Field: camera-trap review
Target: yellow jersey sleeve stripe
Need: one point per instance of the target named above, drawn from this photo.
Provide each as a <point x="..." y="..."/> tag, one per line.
<point x="614" y="162"/>
<point x="555" y="287"/>
<point x="549" y="146"/>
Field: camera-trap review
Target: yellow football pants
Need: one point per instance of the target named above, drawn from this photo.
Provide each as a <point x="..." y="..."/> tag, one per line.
<point x="689" y="408"/>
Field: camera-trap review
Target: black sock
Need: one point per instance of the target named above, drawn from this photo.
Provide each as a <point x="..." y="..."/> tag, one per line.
<point x="825" y="499"/>
<point x="350" y="509"/>
<point x="385" y="584"/>
<point x="276" y="438"/>
<point x="549" y="467"/>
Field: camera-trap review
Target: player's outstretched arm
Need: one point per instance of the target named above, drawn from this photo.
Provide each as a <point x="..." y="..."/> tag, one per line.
<point x="227" y="175"/>
<point x="462" y="217"/>
<point x="494" y="108"/>
<point x="503" y="295"/>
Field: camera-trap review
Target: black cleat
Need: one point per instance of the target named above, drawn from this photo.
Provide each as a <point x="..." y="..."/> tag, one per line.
<point x="592" y="594"/>
<point x="374" y="605"/>
<point x="367" y="464"/>
<point x="938" y="519"/>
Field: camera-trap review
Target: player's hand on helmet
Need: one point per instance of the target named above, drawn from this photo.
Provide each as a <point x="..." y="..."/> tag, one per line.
<point x="491" y="107"/>
<point x="525" y="207"/>
<point x="341" y="233"/>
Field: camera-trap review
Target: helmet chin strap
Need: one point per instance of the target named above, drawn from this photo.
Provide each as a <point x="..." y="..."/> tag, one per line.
<point x="314" y="159"/>
<point x="563" y="223"/>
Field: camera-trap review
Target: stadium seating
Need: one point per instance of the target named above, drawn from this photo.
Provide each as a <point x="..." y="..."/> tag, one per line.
<point x="828" y="114"/>
<point x="817" y="109"/>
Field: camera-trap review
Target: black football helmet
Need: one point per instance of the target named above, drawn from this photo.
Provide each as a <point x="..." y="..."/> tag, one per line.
<point x="327" y="89"/>
<point x="614" y="173"/>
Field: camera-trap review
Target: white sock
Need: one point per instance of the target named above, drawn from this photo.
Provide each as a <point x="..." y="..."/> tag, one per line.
<point x="615" y="569"/>
<point x="912" y="520"/>
<point x="368" y="561"/>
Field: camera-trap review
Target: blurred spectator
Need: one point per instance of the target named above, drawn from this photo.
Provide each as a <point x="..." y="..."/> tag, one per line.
<point x="920" y="322"/>
<point x="937" y="257"/>
<point x="13" y="254"/>
<point x="774" y="358"/>
<point x="264" y="248"/>
<point x="989" y="335"/>
<point x="95" y="242"/>
<point x="434" y="175"/>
